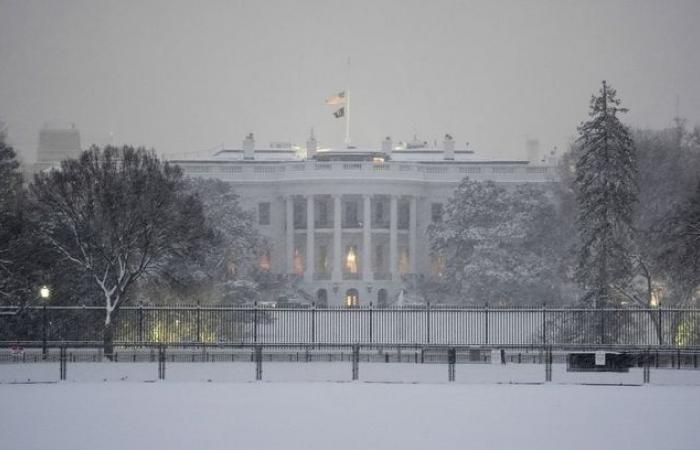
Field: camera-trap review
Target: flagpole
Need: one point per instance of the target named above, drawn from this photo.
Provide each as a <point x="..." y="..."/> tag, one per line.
<point x="347" y="118"/>
<point x="347" y="108"/>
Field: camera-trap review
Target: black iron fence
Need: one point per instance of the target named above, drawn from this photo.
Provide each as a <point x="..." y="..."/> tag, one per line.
<point x="424" y="325"/>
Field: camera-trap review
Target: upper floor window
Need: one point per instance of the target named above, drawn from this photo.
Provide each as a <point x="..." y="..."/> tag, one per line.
<point x="323" y="214"/>
<point x="404" y="214"/>
<point x="379" y="212"/>
<point x="299" y="214"/>
<point x="436" y="212"/>
<point x="351" y="216"/>
<point x="264" y="213"/>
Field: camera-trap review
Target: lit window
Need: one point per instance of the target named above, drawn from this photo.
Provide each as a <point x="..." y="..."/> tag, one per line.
<point x="351" y="260"/>
<point x="352" y="298"/>
<point x="298" y="262"/>
<point x="265" y="261"/>
<point x="403" y="261"/>
<point x="322" y="259"/>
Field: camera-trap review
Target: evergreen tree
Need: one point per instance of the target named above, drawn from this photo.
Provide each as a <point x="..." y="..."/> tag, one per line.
<point x="18" y="252"/>
<point x="606" y="188"/>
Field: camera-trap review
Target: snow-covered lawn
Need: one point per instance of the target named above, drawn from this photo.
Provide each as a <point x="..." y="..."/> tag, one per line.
<point x="401" y="406"/>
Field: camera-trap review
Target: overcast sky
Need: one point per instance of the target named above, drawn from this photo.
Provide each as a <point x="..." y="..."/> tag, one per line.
<point x="191" y="76"/>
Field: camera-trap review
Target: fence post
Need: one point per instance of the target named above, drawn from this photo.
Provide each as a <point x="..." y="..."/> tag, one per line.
<point x="451" y="361"/>
<point x="355" y="361"/>
<point x="140" y="324"/>
<point x="313" y="323"/>
<point x="427" y="322"/>
<point x="486" y="323"/>
<point x="63" y="361"/>
<point x="370" y="323"/>
<point x="544" y="323"/>
<point x="199" y="324"/>
<point x="161" y="362"/>
<point x="255" y="322"/>
<point x="548" y="364"/>
<point x="647" y="367"/>
<point x="602" y="327"/>
<point x="258" y="362"/>
<point x="44" y="332"/>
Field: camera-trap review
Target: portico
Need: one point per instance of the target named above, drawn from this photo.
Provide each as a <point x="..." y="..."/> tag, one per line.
<point x="373" y="239"/>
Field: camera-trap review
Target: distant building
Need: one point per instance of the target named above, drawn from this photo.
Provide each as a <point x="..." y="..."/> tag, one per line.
<point x="351" y="223"/>
<point x="55" y="145"/>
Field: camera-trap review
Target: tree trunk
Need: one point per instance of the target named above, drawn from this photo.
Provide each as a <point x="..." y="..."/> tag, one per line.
<point x="108" y="341"/>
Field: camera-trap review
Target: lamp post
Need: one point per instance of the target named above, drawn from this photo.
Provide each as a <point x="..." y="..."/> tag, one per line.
<point x="44" y="293"/>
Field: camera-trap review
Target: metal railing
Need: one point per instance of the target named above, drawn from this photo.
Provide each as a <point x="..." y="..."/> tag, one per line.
<point x="419" y="325"/>
<point x="395" y="170"/>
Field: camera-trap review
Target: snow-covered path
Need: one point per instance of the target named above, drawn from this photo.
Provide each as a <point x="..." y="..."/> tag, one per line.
<point x="179" y="415"/>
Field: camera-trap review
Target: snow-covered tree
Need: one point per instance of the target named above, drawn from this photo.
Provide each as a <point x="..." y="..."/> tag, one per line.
<point x="606" y="188"/>
<point x="117" y="215"/>
<point x="226" y="269"/>
<point x="13" y="267"/>
<point x="669" y="163"/>
<point x="681" y="252"/>
<point x="498" y="245"/>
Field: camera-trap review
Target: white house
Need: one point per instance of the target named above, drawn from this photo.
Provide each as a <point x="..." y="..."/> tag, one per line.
<point x="352" y="222"/>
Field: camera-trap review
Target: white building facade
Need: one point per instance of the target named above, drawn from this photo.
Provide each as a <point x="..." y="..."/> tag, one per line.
<point x="351" y="224"/>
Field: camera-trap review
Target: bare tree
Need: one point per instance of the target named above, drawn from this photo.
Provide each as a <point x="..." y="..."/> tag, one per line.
<point x="117" y="214"/>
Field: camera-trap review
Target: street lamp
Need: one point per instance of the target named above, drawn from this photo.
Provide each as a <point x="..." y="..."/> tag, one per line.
<point x="44" y="293"/>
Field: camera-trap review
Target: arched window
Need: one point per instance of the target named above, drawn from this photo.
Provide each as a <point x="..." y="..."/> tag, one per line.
<point x="382" y="298"/>
<point x="352" y="298"/>
<point x="321" y="298"/>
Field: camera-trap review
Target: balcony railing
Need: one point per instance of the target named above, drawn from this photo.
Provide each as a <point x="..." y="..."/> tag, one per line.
<point x="416" y="171"/>
<point x="351" y="276"/>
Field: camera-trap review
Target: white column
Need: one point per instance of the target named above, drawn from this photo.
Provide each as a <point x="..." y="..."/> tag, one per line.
<point x="393" y="238"/>
<point x="367" y="239"/>
<point x="310" y="245"/>
<point x="337" y="232"/>
<point x="289" y="200"/>
<point x="412" y="236"/>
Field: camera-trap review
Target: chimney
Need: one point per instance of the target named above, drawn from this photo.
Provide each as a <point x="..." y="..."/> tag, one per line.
<point x="449" y="147"/>
<point x="532" y="147"/>
<point x="387" y="146"/>
<point x="249" y="147"/>
<point x="311" y="146"/>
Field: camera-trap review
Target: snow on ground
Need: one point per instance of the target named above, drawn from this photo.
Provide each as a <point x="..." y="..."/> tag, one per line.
<point x="402" y="406"/>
